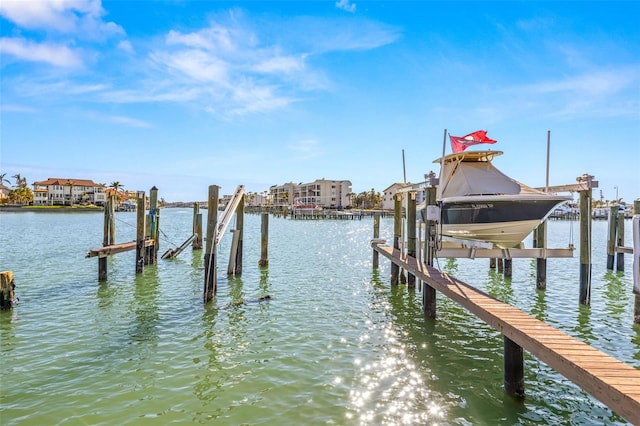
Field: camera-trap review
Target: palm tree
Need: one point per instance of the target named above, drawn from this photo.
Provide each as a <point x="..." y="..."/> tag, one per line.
<point x="20" y="181"/>
<point x="116" y="186"/>
<point x="70" y="185"/>
<point x="3" y="179"/>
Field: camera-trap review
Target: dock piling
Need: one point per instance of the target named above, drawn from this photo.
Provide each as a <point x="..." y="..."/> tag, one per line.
<point x="376" y="234"/>
<point x="140" y="231"/>
<point x="7" y="287"/>
<point x="585" y="246"/>
<point x="197" y="227"/>
<point x="210" y="261"/>
<point x="540" y="241"/>
<point x="612" y="221"/>
<point x="264" y="240"/>
<point x="397" y="234"/>
<point x="513" y="368"/>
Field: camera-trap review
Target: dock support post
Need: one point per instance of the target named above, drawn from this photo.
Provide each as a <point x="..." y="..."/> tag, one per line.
<point x="197" y="227"/>
<point x="151" y="254"/>
<point x="264" y="240"/>
<point x="376" y="234"/>
<point x="397" y="234"/>
<point x="233" y="255"/>
<point x="508" y="268"/>
<point x="7" y="287"/>
<point x="585" y="247"/>
<point x="513" y="368"/>
<point x="428" y="292"/>
<point x="540" y="241"/>
<point x="140" y="231"/>
<point x="620" y="243"/>
<point x="635" y="225"/>
<point x="210" y="261"/>
<point x="500" y="264"/>
<point x="612" y="221"/>
<point x="106" y="238"/>
<point x="492" y="263"/>
<point x="240" y="231"/>
<point x="411" y="234"/>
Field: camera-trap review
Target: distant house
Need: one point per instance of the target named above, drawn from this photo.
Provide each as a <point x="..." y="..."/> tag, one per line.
<point x="389" y="192"/>
<point x="4" y="193"/>
<point x="67" y="191"/>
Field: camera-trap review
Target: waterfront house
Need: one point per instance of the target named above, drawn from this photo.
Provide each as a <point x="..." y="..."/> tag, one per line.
<point x="4" y="193"/>
<point x="67" y="191"/>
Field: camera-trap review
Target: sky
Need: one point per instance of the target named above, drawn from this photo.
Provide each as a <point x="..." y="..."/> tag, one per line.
<point x="182" y="94"/>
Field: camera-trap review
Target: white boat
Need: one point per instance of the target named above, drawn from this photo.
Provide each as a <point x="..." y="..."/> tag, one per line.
<point x="480" y="203"/>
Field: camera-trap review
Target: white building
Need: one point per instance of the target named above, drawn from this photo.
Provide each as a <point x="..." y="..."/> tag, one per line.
<point x="68" y="192"/>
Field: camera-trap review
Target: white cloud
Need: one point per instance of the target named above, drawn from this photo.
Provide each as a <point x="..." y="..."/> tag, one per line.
<point x="80" y="17"/>
<point x="53" y="54"/>
<point x="304" y="149"/>
<point x="346" y="5"/>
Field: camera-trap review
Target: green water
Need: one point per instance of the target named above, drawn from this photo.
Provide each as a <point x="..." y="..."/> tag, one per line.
<point x="335" y="345"/>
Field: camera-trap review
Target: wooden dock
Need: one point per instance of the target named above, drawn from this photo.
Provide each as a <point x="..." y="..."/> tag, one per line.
<point x="612" y="382"/>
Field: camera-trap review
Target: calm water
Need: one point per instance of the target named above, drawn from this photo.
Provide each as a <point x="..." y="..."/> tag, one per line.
<point x="335" y="345"/>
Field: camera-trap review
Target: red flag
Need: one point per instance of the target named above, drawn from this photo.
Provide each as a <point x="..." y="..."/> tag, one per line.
<point x="460" y="143"/>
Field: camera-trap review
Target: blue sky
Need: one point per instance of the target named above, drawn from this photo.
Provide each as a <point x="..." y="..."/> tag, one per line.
<point x="186" y="94"/>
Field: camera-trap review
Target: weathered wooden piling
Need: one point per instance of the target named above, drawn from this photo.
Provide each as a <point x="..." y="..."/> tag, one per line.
<point x="240" y="231"/>
<point x="620" y="243"/>
<point x="264" y="240"/>
<point x="428" y="292"/>
<point x="7" y="288"/>
<point x="108" y="236"/>
<point x="197" y="227"/>
<point x="376" y="234"/>
<point x="612" y="221"/>
<point x="635" y="225"/>
<point x="513" y="368"/>
<point x="210" y="255"/>
<point x="411" y="233"/>
<point x="540" y="241"/>
<point x="585" y="246"/>
<point x="397" y="234"/>
<point x="140" y="231"/>
<point x="153" y="226"/>
<point x="508" y="268"/>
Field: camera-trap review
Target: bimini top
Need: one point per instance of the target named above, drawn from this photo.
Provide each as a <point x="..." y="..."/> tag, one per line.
<point x="482" y="156"/>
<point x="471" y="173"/>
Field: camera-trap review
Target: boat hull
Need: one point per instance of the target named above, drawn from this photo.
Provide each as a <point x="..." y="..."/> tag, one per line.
<point x="505" y="223"/>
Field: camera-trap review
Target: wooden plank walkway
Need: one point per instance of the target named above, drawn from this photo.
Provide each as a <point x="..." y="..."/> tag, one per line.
<point x="612" y="382"/>
<point x="116" y="248"/>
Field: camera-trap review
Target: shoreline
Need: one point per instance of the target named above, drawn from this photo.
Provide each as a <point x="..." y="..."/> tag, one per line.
<point x="49" y="209"/>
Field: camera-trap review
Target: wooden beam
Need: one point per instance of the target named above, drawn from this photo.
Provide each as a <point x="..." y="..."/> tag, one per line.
<point x="116" y="248"/>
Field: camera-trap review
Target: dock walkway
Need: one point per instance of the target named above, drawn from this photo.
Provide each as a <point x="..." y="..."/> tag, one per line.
<point x="612" y="382"/>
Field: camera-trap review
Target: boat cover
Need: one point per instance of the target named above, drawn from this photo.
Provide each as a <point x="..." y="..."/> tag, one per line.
<point x="464" y="178"/>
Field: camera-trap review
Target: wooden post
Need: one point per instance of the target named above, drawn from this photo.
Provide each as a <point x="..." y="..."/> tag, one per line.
<point x="635" y="225"/>
<point x="492" y="263"/>
<point x="112" y="219"/>
<point x="231" y="268"/>
<point x="428" y="292"/>
<point x="397" y="234"/>
<point x="585" y="247"/>
<point x="197" y="227"/>
<point x="140" y="234"/>
<point x="102" y="260"/>
<point x="376" y="234"/>
<point x="513" y="368"/>
<point x="210" y="261"/>
<point x="411" y="233"/>
<point x="508" y="267"/>
<point x="500" y="263"/>
<point x="7" y="287"/>
<point x="541" y="263"/>
<point x="611" y="236"/>
<point x="264" y="240"/>
<point x="240" y="231"/>
<point x="620" y="243"/>
<point x="154" y="225"/>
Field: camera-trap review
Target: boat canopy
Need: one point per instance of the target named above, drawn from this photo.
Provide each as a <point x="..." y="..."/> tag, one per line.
<point x="472" y="174"/>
